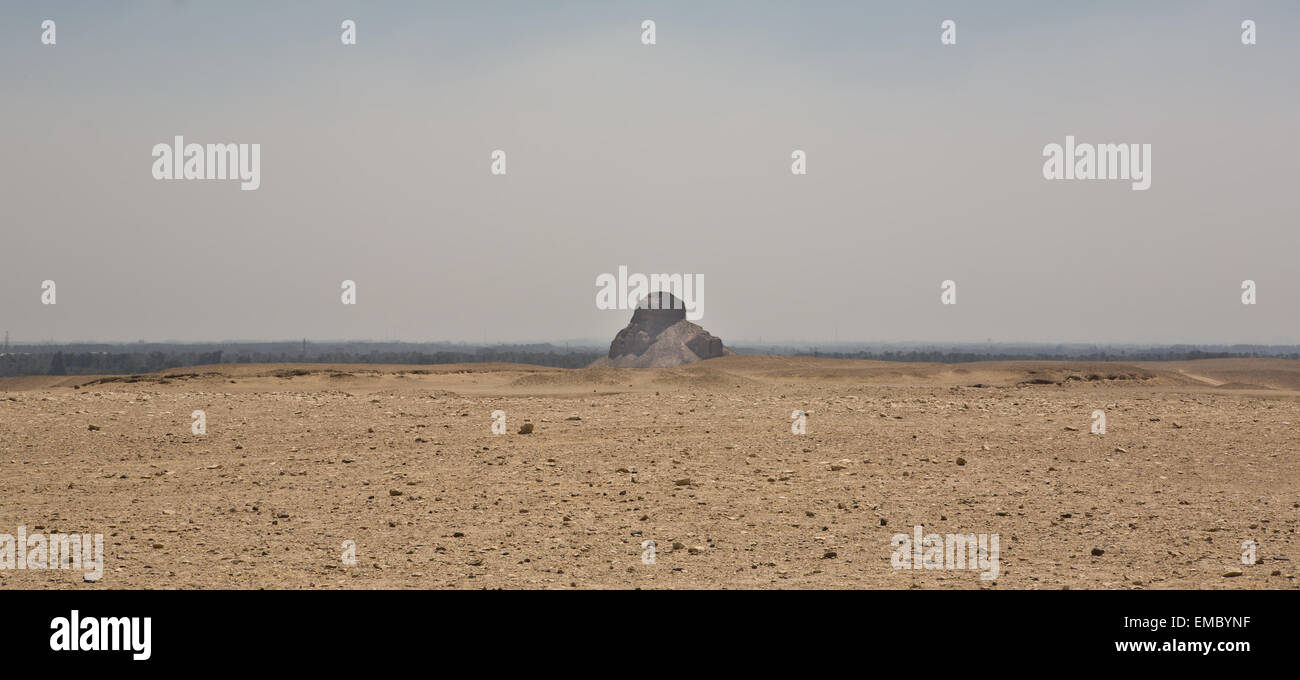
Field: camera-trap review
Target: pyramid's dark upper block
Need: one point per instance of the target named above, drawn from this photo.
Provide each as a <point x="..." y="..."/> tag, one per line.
<point x="658" y="311"/>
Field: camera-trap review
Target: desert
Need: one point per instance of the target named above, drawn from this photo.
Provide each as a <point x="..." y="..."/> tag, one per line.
<point x="302" y="463"/>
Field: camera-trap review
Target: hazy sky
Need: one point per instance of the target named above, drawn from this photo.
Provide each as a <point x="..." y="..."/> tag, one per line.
<point x="924" y="164"/>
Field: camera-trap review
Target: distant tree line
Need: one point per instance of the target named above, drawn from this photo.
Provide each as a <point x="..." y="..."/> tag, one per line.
<point x="92" y="363"/>
<point x="132" y="358"/>
<point x="957" y="357"/>
<point x="122" y="360"/>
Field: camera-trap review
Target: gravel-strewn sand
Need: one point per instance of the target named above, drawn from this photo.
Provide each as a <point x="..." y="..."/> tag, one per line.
<point x="1198" y="458"/>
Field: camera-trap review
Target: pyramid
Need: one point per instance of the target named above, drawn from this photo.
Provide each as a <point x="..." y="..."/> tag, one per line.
<point x="659" y="336"/>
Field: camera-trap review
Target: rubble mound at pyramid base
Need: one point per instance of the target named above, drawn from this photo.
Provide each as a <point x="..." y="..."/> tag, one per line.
<point x="680" y="343"/>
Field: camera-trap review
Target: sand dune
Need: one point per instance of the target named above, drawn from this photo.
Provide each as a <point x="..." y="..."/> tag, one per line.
<point x="729" y="371"/>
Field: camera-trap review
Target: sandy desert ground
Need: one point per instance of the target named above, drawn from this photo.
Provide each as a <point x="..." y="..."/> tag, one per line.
<point x="297" y="459"/>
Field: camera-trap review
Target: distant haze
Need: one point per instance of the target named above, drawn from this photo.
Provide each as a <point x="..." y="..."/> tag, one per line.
<point x="924" y="165"/>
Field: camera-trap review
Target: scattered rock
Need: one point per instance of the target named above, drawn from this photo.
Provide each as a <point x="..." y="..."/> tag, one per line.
<point x="526" y="428"/>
